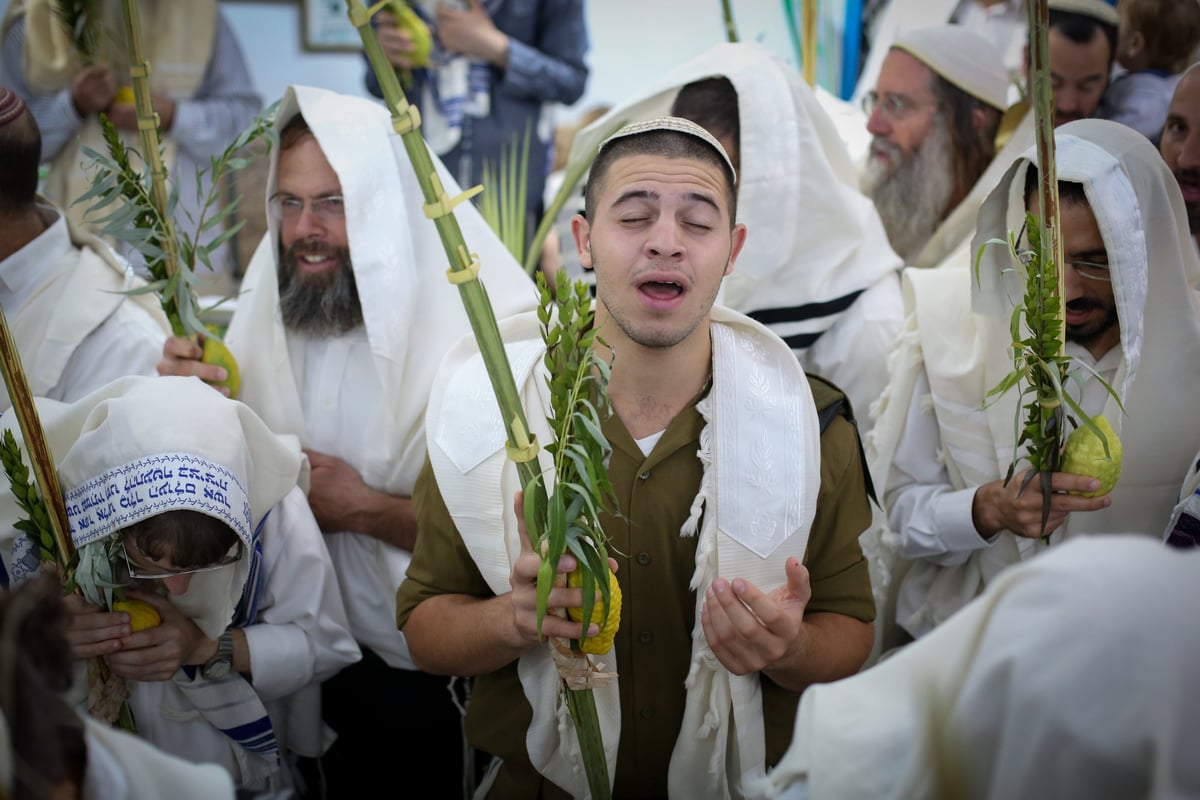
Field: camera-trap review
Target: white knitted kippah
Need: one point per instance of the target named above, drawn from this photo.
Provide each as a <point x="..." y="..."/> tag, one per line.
<point x="677" y="124"/>
<point x="964" y="58"/>
<point x="1096" y="9"/>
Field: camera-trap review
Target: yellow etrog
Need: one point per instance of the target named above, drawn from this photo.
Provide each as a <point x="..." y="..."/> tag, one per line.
<point x="602" y="642"/>
<point x="1084" y="455"/>
<point x="215" y="352"/>
<point x="142" y="615"/>
<point x="422" y="39"/>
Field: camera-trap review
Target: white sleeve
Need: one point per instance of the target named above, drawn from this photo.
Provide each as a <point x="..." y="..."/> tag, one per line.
<point x="931" y="518"/>
<point x="128" y="342"/>
<point x="301" y="635"/>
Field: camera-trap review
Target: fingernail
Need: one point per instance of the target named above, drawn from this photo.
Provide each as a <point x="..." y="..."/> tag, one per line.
<point x="593" y="630"/>
<point x="739" y="586"/>
<point x="719" y="585"/>
<point x="1093" y="485"/>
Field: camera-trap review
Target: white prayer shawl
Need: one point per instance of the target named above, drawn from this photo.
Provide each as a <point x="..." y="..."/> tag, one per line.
<point x="1034" y="689"/>
<point x="124" y="767"/>
<point x="816" y="243"/>
<point x="761" y="454"/>
<point x="142" y="446"/>
<point x="70" y="300"/>
<point x="1140" y="213"/>
<point x="411" y="312"/>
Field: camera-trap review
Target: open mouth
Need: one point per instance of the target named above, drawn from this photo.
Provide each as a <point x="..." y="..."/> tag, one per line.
<point x="1190" y="188"/>
<point x="1078" y="311"/>
<point x="314" y="261"/>
<point x="662" y="290"/>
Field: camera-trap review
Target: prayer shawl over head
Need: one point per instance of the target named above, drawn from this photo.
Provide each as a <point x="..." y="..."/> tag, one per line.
<point x="1154" y="266"/>
<point x="752" y="522"/>
<point x="411" y="312"/>
<point x="1072" y="676"/>
<point x="144" y="446"/>
<point x="177" y="40"/>
<point x="815" y="242"/>
<point x="74" y="297"/>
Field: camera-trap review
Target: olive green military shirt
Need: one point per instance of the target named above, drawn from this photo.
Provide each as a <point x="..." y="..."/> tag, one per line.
<point x="655" y="567"/>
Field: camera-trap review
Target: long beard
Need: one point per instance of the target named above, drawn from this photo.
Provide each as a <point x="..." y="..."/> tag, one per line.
<point x="324" y="304"/>
<point x="911" y="196"/>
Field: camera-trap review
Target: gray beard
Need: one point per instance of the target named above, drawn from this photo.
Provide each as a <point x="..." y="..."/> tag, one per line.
<point x="320" y="305"/>
<point x="911" y="197"/>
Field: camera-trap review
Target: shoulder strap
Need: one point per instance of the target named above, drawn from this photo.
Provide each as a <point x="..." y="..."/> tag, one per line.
<point x="832" y="403"/>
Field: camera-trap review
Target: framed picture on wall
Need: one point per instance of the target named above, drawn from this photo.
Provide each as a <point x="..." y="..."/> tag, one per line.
<point x="325" y="26"/>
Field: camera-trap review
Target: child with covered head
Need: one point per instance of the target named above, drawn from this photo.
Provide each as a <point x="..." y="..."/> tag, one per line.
<point x="1155" y="40"/>
<point x="185" y="500"/>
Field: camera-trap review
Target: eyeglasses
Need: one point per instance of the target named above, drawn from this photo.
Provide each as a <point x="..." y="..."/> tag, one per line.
<point x="158" y="573"/>
<point x="892" y="106"/>
<point x="1086" y="269"/>
<point x="288" y="207"/>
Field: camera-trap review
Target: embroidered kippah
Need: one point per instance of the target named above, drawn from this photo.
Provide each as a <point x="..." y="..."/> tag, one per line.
<point x="677" y="124"/>
<point x="11" y="106"/>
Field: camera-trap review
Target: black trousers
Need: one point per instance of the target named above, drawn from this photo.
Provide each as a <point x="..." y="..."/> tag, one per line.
<point x="395" y="727"/>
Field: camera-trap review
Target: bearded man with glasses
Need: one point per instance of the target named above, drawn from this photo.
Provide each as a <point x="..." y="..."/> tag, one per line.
<point x="344" y="315"/>
<point x="954" y="523"/>
<point x="933" y="116"/>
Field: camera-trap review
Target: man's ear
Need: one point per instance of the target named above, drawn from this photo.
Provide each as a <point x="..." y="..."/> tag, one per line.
<point x="736" y="240"/>
<point x="1137" y="45"/>
<point x="582" y="233"/>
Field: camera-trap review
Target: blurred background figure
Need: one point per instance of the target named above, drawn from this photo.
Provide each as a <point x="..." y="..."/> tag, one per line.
<point x="1155" y="40"/>
<point x="201" y="89"/>
<point x="495" y="72"/>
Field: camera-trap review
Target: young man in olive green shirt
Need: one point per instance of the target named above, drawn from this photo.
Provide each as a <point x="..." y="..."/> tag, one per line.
<point x="721" y="471"/>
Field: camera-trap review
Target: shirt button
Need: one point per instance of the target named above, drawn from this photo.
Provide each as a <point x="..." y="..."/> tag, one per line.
<point x="645" y="637"/>
<point x="645" y="475"/>
<point x="647" y="713"/>
<point x="643" y="558"/>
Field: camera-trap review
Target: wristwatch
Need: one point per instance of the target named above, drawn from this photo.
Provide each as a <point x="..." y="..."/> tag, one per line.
<point x="221" y="664"/>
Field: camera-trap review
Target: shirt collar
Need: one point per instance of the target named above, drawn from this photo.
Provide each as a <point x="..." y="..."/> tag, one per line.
<point x="20" y="272"/>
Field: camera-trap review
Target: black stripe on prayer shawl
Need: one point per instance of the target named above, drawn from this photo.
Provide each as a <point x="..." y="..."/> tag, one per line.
<point x="774" y="316"/>
<point x="802" y="341"/>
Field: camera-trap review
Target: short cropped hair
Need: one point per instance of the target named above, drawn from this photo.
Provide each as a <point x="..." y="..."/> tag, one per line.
<point x="666" y="143"/>
<point x="1081" y="29"/>
<point x="712" y="103"/>
<point x="1171" y="29"/>
<point x="20" y="154"/>
<point x="295" y="130"/>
